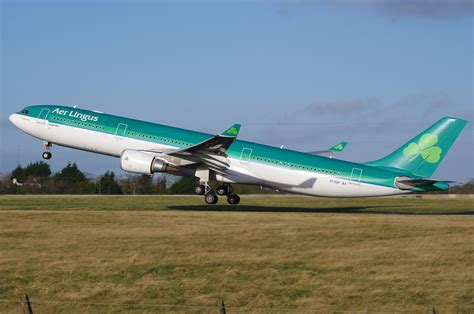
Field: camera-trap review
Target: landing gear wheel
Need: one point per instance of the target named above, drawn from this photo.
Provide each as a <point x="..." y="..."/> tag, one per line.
<point x="200" y="190"/>
<point x="233" y="199"/>
<point x="47" y="155"/>
<point x="211" y="198"/>
<point x="222" y="190"/>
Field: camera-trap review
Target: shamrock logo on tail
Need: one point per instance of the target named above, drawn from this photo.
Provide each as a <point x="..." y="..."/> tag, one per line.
<point x="233" y="131"/>
<point x="426" y="148"/>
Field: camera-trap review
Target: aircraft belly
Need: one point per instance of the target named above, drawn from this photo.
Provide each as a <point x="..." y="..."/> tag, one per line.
<point x="315" y="184"/>
<point x="240" y="173"/>
<point x="282" y="178"/>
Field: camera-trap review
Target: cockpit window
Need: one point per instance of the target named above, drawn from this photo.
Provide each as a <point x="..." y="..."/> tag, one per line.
<point x="24" y="111"/>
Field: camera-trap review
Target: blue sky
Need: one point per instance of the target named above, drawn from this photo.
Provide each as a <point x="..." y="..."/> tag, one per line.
<point x="304" y="74"/>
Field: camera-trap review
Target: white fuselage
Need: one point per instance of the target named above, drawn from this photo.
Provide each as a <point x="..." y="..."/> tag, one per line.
<point x="240" y="171"/>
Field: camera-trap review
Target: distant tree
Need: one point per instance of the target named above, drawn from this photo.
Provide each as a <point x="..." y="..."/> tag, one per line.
<point x="38" y="169"/>
<point x="137" y="184"/>
<point x="18" y="173"/>
<point x="29" y="179"/>
<point x="3" y="187"/>
<point x="160" y="186"/>
<point x="144" y="184"/>
<point x="127" y="186"/>
<point x="108" y="184"/>
<point x="71" y="180"/>
<point x="467" y="188"/>
<point x="185" y="185"/>
<point x="71" y="174"/>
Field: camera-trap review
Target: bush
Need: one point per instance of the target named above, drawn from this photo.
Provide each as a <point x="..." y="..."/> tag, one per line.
<point x="185" y="185"/>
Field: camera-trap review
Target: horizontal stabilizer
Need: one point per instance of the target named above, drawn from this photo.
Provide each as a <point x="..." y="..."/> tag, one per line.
<point x="422" y="185"/>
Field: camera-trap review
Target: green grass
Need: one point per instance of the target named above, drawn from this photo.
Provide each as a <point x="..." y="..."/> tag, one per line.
<point x="271" y="253"/>
<point x="270" y="203"/>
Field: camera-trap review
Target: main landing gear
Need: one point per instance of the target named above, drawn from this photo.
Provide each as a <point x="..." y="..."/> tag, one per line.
<point x="47" y="154"/>
<point x="211" y="198"/>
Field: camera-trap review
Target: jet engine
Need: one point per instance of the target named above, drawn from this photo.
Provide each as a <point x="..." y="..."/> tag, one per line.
<point x="141" y="162"/>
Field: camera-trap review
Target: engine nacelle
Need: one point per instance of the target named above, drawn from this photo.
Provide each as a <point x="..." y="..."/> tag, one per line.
<point x="140" y="162"/>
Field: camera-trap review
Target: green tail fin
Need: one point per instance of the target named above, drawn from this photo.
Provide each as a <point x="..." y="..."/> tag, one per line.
<point x="422" y="154"/>
<point x="233" y="131"/>
<point x="338" y="147"/>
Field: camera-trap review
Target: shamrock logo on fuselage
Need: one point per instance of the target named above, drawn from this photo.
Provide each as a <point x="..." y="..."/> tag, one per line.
<point x="426" y="148"/>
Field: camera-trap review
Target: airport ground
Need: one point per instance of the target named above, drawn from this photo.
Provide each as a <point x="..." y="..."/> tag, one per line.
<point x="270" y="254"/>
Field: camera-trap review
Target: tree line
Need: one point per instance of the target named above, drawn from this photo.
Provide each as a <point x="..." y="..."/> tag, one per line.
<point x="37" y="178"/>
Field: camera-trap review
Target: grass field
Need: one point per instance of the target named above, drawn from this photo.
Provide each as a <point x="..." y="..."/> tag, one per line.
<point x="269" y="254"/>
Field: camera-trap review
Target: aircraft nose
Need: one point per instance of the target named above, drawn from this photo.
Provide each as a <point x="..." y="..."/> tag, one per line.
<point x="13" y="119"/>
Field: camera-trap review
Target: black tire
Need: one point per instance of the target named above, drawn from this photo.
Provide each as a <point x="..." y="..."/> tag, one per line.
<point x="233" y="199"/>
<point x="200" y="190"/>
<point x="47" y="155"/>
<point x="211" y="198"/>
<point x="222" y="190"/>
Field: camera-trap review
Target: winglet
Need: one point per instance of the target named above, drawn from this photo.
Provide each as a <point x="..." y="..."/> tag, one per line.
<point x="233" y="131"/>
<point x="339" y="147"/>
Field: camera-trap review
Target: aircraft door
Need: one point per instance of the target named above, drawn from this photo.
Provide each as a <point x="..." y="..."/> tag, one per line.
<point x="120" y="131"/>
<point x="245" y="155"/>
<point x="355" y="176"/>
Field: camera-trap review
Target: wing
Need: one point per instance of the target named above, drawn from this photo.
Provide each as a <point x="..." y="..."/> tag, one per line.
<point x="331" y="151"/>
<point x="216" y="145"/>
<point x="212" y="152"/>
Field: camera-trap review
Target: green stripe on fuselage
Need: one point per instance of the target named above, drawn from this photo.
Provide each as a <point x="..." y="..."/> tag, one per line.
<point x="181" y="138"/>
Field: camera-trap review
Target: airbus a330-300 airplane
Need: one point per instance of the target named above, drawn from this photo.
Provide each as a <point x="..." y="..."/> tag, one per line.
<point x="146" y="148"/>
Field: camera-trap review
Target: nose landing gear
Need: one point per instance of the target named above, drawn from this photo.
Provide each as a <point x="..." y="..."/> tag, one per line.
<point x="47" y="154"/>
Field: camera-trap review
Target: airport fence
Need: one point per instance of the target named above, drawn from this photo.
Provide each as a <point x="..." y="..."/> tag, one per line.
<point x="29" y="306"/>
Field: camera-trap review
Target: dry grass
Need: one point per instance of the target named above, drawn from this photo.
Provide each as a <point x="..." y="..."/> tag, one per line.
<point x="77" y="254"/>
